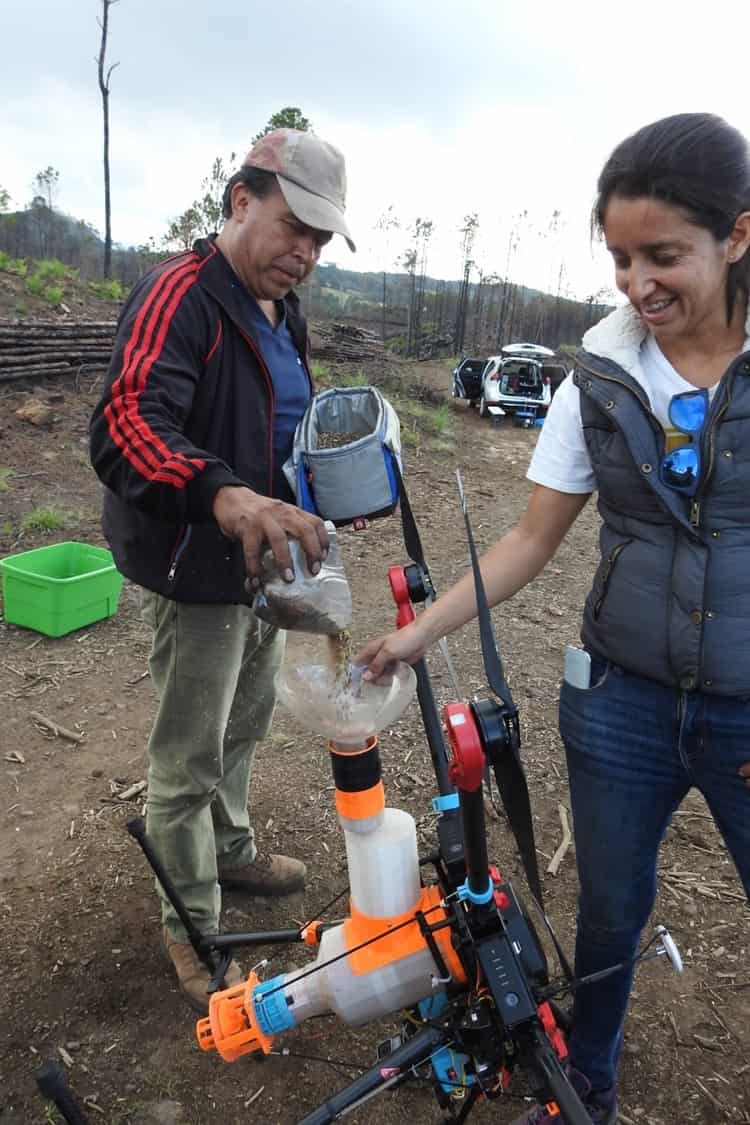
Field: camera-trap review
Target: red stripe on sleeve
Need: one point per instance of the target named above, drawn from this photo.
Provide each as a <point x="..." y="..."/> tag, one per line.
<point x="141" y="446"/>
<point x="127" y="388"/>
<point x="216" y="342"/>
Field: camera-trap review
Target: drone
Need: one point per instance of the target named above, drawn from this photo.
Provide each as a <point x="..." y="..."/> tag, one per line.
<point x="443" y="938"/>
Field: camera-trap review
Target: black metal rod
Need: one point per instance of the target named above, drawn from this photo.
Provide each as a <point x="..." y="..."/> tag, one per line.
<point x="53" y="1085"/>
<point x="433" y="728"/>
<point x="397" y="1064"/>
<point x="475" y="1094"/>
<point x="261" y="937"/>
<point x="137" y="830"/>
<point x="475" y="840"/>
<point x="553" y="1081"/>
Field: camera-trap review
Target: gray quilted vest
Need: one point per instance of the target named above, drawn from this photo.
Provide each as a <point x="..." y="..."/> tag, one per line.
<point x="671" y="595"/>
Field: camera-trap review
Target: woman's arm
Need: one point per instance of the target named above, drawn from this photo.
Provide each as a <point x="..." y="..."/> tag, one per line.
<point x="508" y="565"/>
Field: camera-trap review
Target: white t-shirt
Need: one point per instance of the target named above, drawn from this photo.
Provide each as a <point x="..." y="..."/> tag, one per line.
<point x="561" y="459"/>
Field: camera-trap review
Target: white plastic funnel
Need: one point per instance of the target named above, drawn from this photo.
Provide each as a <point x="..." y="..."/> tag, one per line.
<point x="345" y="716"/>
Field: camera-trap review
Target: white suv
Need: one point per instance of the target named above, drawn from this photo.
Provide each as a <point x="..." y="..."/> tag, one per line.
<point x="519" y="382"/>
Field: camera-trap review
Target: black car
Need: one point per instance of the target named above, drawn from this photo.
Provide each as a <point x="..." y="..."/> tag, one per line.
<point x="467" y="380"/>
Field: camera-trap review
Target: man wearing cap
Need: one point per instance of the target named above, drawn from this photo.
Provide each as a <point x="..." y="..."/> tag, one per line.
<point x="208" y="380"/>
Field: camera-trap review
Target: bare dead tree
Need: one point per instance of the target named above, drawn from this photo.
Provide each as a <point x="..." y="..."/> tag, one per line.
<point x="410" y="265"/>
<point x="104" y="89"/>
<point x="424" y="230"/>
<point x="468" y="233"/>
<point x="386" y="225"/>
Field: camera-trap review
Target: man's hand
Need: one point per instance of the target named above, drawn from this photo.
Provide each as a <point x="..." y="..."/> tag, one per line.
<point x="745" y="772"/>
<point x="255" y="521"/>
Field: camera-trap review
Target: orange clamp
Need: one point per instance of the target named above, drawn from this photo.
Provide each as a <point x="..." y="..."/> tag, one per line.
<point x="312" y="932"/>
<point x="230" y="1026"/>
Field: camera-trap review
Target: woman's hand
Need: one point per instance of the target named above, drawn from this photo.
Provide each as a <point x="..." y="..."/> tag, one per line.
<point x="745" y="772"/>
<point x="380" y="654"/>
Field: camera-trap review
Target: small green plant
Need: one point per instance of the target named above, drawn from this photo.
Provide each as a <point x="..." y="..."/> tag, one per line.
<point x="12" y="265"/>
<point x="442" y="446"/>
<point x="44" y="519"/>
<point x="35" y="285"/>
<point x="50" y="269"/>
<point x="321" y="372"/>
<point x="53" y="294"/>
<point x="5" y="475"/>
<point x="47" y="279"/>
<point x="409" y="437"/>
<point x="109" y="290"/>
<point x="348" y="379"/>
<point x="441" y="419"/>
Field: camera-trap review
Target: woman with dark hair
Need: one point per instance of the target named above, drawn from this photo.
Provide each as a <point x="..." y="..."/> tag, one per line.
<point x="653" y="418"/>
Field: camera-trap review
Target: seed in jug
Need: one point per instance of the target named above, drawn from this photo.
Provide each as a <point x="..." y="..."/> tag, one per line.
<point x="329" y="439"/>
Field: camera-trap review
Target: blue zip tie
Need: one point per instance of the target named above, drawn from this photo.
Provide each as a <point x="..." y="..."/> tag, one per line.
<point x="464" y="892"/>
<point x="445" y="801"/>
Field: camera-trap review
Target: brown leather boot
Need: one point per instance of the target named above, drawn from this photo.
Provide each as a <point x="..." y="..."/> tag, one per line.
<point x="267" y="875"/>
<point x="192" y="975"/>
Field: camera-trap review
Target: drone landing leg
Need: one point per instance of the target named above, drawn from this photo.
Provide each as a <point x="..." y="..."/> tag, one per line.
<point x="474" y="1095"/>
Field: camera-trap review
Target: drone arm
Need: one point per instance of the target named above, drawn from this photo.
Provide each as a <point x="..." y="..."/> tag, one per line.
<point x="53" y="1085"/>
<point x="387" y="1072"/>
<point x="551" y="1082"/>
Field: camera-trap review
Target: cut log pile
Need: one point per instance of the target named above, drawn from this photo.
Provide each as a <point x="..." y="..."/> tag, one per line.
<point x="32" y="349"/>
<point x="345" y="342"/>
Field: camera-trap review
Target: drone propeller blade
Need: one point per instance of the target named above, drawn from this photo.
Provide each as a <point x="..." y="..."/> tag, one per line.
<point x="490" y="654"/>
<point x="412" y="542"/>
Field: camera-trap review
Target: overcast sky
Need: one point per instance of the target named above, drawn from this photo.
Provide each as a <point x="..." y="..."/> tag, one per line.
<point x="441" y="107"/>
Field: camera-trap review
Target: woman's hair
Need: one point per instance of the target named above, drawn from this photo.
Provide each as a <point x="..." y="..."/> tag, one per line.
<point x="696" y="162"/>
<point x="258" y="181"/>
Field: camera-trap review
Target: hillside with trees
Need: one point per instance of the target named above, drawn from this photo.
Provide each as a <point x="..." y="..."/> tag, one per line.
<point x="414" y="313"/>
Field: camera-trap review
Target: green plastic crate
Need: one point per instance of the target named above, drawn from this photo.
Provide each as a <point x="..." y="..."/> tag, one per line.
<point x="57" y="589"/>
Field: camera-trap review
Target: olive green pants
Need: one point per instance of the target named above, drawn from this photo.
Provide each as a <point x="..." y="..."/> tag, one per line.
<point x="214" y="668"/>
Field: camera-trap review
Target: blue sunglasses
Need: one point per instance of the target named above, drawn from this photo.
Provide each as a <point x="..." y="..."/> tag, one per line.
<point x="681" y="467"/>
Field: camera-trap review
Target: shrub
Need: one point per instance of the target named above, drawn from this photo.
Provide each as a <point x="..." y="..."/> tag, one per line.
<point x="12" y="265"/>
<point x="321" y="373"/>
<point x="50" y="269"/>
<point x="441" y="419"/>
<point x="111" y="290"/>
<point x="44" y="519"/>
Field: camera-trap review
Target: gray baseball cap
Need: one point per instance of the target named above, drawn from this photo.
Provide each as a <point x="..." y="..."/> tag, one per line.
<point x="311" y="174"/>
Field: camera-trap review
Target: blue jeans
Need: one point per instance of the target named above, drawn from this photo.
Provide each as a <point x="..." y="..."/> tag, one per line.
<point x="634" y="750"/>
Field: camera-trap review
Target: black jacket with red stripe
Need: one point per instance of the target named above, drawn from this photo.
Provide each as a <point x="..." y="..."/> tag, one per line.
<point x="187" y="408"/>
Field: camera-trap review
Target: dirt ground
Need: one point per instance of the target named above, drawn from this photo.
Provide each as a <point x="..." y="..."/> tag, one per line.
<point x="83" y="977"/>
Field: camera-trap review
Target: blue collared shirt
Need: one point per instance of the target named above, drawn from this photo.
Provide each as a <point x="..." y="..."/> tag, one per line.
<point x="291" y="385"/>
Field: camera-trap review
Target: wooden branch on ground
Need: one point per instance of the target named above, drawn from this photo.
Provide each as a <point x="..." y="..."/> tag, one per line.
<point x="56" y="729"/>
<point x="25" y="329"/>
<point x="63" y="355"/>
<point x="54" y="369"/>
<point x="132" y="791"/>
<point x="567" y="839"/>
<point x="15" y="373"/>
